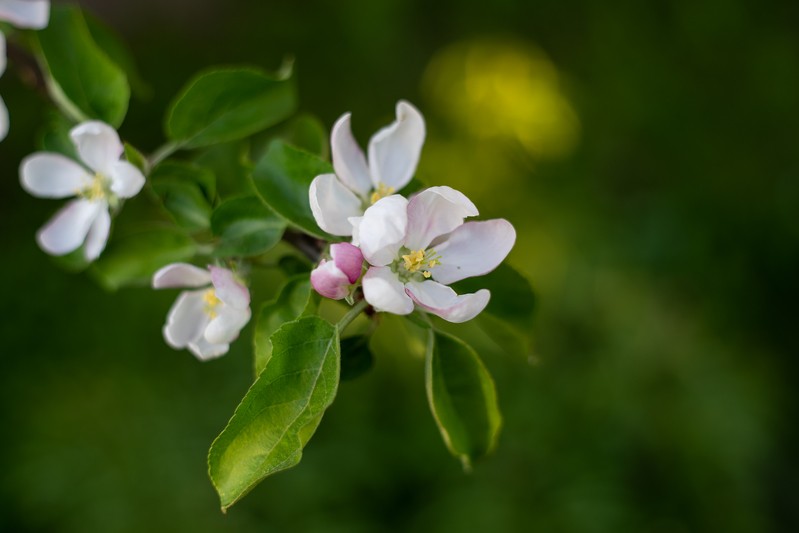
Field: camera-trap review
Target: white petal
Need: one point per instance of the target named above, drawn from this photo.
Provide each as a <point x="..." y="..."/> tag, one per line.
<point x="3" y="58"/>
<point x="67" y="230"/>
<point x="181" y="275"/>
<point x="433" y="212"/>
<point x="332" y="204"/>
<point x="186" y="320"/>
<point x="126" y="179"/>
<point x="50" y="175"/>
<point x="32" y="14"/>
<point x="98" y="145"/>
<point x="385" y="292"/>
<point x="394" y="150"/>
<point x="382" y="230"/>
<point x="205" y="351"/>
<point x="329" y="281"/>
<point x="98" y="236"/>
<point x="356" y="226"/>
<point x="474" y="249"/>
<point x="446" y="303"/>
<point x="229" y="289"/>
<point x="348" y="159"/>
<point x="225" y="328"/>
<point x="3" y="120"/>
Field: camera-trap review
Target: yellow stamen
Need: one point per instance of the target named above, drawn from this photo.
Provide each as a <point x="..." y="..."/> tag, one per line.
<point x="414" y="260"/>
<point x="426" y="274"/>
<point x="381" y="192"/>
<point x="97" y="190"/>
<point x="211" y="301"/>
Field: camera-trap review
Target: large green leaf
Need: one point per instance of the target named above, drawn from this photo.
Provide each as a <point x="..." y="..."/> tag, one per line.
<point x="83" y="81"/>
<point x="186" y="191"/>
<point x="295" y="299"/>
<point x="226" y="104"/>
<point x="508" y="318"/>
<point x="283" y="177"/>
<point x="462" y="398"/>
<point x="132" y="260"/>
<point x="110" y="42"/>
<point x="245" y="227"/>
<point x="307" y="132"/>
<point x="280" y="412"/>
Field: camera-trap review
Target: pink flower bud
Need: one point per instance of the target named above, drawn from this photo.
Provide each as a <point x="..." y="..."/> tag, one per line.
<point x="332" y="279"/>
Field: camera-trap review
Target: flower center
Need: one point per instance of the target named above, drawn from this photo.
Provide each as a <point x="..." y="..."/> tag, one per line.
<point x="211" y="302"/>
<point x="99" y="189"/>
<point x="417" y="262"/>
<point x="382" y="191"/>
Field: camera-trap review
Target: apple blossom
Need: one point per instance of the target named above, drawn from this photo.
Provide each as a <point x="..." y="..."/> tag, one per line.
<point x="205" y="320"/>
<point x="417" y="247"/>
<point x="85" y="220"/>
<point x="393" y="155"/>
<point x="334" y="278"/>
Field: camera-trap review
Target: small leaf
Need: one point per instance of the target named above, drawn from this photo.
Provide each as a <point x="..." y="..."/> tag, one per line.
<point x="462" y="397"/>
<point x="55" y="135"/>
<point x="226" y="104"/>
<point x="295" y="299"/>
<point x="356" y="357"/>
<point x="84" y="82"/>
<point x="245" y="227"/>
<point x="186" y="191"/>
<point x="283" y="177"/>
<point x="132" y="260"/>
<point x="280" y="412"/>
<point x="292" y="265"/>
<point x="307" y="132"/>
<point x="508" y="318"/>
<point x="136" y="158"/>
<point x="230" y="163"/>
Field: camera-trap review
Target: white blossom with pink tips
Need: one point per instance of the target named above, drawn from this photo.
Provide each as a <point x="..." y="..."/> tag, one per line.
<point x="337" y="200"/>
<point x="207" y="319"/>
<point x="98" y="185"/>
<point x="417" y="247"/>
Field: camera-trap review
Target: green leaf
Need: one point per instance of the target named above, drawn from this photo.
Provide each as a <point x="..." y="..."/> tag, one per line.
<point x="283" y="177"/>
<point x="186" y="191"/>
<point x="291" y="265"/>
<point x="307" y="132"/>
<point x="55" y="135"/>
<point x="136" y="158"/>
<point x="83" y="81"/>
<point x="226" y="104"/>
<point x="230" y="163"/>
<point x="245" y="227"/>
<point x="295" y="299"/>
<point x="280" y="412"/>
<point x="508" y="318"/>
<point x="132" y="260"/>
<point x="356" y="357"/>
<point x="462" y="397"/>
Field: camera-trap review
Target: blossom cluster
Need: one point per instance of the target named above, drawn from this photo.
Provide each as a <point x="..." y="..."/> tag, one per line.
<point x="408" y="250"/>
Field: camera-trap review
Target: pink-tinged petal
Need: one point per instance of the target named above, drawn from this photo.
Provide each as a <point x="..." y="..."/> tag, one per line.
<point x="67" y="230"/>
<point x="50" y="175"/>
<point x="97" y="236"/>
<point x="348" y="258"/>
<point x="205" y="351"/>
<point x="433" y="212"/>
<point x="186" y="320"/>
<point x="348" y="159"/>
<point x="382" y="230"/>
<point x="98" y="145"/>
<point x="32" y="14"/>
<point x="4" y="121"/>
<point x="329" y="281"/>
<point x="126" y="179"/>
<point x="332" y="204"/>
<point x="474" y="249"/>
<point x="394" y="151"/>
<point x="228" y="288"/>
<point x="225" y="328"/>
<point x="446" y="303"/>
<point x="3" y="58"/>
<point x="179" y="275"/>
<point x="385" y="292"/>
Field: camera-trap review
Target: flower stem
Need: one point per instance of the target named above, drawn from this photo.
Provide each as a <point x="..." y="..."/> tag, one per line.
<point x="351" y="315"/>
<point x="163" y="152"/>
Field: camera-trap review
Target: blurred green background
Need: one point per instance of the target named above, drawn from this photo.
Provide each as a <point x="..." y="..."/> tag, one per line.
<point x="646" y="153"/>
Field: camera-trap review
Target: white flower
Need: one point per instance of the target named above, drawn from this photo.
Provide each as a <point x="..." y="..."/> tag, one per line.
<point x="24" y="14"/>
<point x="333" y="279"/>
<point x="419" y="246"/>
<point x="208" y="319"/>
<point x="393" y="156"/>
<point x="85" y="220"/>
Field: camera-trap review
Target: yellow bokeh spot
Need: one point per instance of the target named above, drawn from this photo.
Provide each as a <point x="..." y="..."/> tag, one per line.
<point x="381" y="192"/>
